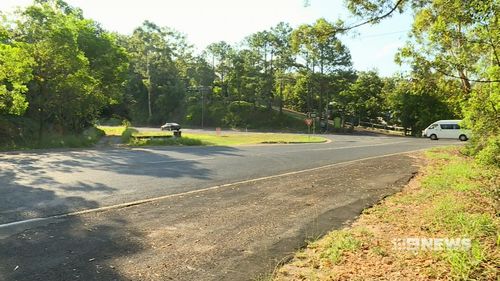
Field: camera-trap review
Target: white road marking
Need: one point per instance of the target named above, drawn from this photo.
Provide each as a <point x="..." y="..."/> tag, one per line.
<point x="154" y="199"/>
<point x="330" y="148"/>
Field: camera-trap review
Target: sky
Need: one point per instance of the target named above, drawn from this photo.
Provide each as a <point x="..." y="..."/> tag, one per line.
<point x="208" y="21"/>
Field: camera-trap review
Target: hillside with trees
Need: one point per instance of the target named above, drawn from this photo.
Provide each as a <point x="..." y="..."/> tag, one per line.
<point x="62" y="73"/>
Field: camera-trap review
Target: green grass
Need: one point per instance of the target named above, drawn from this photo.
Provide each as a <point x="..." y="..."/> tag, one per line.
<point x="456" y="198"/>
<point x="340" y="244"/>
<point x="112" y="130"/>
<point x="226" y="140"/>
<point x="258" y="138"/>
<point x="335" y="244"/>
<point x="460" y="189"/>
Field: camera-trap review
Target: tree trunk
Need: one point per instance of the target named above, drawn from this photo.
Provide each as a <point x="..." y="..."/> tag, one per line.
<point x="321" y="89"/>
<point x="40" y="124"/>
<point x="281" y="97"/>
<point x="150" y="111"/>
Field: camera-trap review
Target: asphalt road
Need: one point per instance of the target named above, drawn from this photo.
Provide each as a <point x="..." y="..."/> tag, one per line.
<point x="232" y="232"/>
<point x="42" y="184"/>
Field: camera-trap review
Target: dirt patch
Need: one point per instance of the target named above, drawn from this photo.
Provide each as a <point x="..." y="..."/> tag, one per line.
<point x="107" y="141"/>
<point x="238" y="232"/>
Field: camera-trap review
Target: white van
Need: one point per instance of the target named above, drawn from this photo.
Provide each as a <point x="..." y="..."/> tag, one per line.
<point x="446" y="129"/>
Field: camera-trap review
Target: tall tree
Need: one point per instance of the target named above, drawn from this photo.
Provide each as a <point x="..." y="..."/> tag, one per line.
<point x="458" y="40"/>
<point x="263" y="44"/>
<point x="63" y="91"/>
<point x="322" y="50"/>
<point x="155" y="82"/>
<point x="284" y="59"/>
<point x="219" y="54"/>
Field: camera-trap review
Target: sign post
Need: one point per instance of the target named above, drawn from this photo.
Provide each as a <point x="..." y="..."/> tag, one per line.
<point x="308" y="122"/>
<point x="312" y="117"/>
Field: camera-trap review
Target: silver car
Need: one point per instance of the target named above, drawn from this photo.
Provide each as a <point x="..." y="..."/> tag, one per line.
<point x="170" y="127"/>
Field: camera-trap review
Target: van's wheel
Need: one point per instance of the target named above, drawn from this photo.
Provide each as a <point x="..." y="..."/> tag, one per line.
<point x="462" y="137"/>
<point x="434" y="137"/>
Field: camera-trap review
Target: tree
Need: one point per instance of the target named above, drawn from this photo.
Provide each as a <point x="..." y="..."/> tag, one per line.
<point x="108" y="61"/>
<point x="220" y="53"/>
<point x="244" y="76"/>
<point x="284" y="59"/>
<point x="155" y="82"/>
<point x="320" y="48"/>
<point x="261" y="44"/>
<point x="15" y="73"/>
<point x="416" y="103"/>
<point x="63" y="91"/>
<point x="363" y="98"/>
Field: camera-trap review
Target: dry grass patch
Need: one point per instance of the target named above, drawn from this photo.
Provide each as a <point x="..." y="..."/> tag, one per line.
<point x="452" y="197"/>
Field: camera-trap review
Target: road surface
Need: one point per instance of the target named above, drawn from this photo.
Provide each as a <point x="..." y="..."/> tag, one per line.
<point x="43" y="184"/>
<point x="214" y="213"/>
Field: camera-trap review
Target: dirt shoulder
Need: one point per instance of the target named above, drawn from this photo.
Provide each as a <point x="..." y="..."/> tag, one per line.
<point x="238" y="232"/>
<point x="442" y="226"/>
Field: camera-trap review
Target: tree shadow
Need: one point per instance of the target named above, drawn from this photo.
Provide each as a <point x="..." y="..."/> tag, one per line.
<point x="70" y="248"/>
<point x="41" y="184"/>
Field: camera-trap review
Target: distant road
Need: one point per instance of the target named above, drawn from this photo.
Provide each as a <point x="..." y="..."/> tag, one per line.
<point x="41" y="184"/>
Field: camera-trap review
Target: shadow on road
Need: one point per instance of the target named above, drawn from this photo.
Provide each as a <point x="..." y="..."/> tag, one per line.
<point x="42" y="184"/>
<point x="71" y="249"/>
<point x="75" y="248"/>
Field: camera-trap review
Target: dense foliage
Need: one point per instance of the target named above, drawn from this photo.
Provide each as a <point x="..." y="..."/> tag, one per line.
<point x="61" y="73"/>
<point x="454" y="52"/>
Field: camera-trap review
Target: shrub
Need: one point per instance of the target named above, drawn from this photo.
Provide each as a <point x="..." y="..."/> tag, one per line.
<point x="165" y="141"/>
<point x="490" y="153"/>
<point x="127" y="134"/>
<point x="481" y="112"/>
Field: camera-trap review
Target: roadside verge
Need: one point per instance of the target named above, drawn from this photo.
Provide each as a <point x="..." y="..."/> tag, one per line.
<point x="443" y="226"/>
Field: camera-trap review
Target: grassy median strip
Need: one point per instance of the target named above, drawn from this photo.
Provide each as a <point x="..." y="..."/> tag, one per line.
<point x="256" y="138"/>
<point x="113" y="130"/>
<point x="443" y="225"/>
<point x="155" y="138"/>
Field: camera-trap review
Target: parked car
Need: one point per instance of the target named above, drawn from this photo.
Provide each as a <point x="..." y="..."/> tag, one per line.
<point x="170" y="127"/>
<point x="446" y="129"/>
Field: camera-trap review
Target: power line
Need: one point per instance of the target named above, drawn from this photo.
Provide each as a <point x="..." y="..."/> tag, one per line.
<point x="381" y="34"/>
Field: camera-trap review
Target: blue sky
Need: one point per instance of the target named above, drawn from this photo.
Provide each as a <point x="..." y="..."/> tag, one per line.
<point x="207" y="21"/>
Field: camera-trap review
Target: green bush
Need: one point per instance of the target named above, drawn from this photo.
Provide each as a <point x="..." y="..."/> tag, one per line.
<point x="127" y="134"/>
<point x="165" y="141"/>
<point x="22" y="133"/>
<point x="490" y="153"/>
<point x="481" y="111"/>
<point x="17" y="131"/>
<point x="88" y="137"/>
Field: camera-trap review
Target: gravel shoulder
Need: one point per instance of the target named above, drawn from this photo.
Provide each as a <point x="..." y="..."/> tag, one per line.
<point x="236" y="232"/>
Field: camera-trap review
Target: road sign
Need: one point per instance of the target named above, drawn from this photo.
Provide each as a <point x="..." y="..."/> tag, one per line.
<point x="308" y="122"/>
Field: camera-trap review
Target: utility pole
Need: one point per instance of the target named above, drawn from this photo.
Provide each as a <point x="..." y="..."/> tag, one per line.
<point x="148" y="86"/>
<point x="202" y="106"/>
